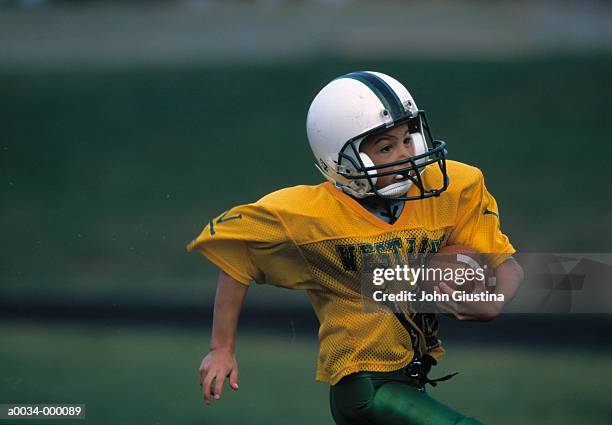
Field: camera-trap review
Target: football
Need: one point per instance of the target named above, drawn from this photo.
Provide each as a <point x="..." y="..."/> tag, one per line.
<point x="459" y="266"/>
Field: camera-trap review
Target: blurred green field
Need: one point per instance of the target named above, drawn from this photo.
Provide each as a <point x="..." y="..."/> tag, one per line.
<point x="106" y="175"/>
<point x="128" y="375"/>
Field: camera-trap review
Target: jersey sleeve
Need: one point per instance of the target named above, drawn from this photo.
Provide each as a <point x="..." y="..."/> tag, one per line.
<point x="478" y="224"/>
<point x="250" y="243"/>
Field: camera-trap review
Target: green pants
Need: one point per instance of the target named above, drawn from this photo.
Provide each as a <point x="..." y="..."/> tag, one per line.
<point x="372" y="398"/>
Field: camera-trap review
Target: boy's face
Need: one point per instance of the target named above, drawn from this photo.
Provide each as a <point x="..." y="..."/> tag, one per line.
<point x="392" y="145"/>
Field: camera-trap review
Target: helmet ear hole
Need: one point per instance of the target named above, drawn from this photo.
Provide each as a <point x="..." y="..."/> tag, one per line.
<point x="367" y="162"/>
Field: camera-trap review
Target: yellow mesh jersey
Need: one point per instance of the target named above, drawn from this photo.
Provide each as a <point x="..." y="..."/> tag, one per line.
<point x="316" y="237"/>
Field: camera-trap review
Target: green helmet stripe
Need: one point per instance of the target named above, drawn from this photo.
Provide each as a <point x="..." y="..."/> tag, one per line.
<point x="382" y="90"/>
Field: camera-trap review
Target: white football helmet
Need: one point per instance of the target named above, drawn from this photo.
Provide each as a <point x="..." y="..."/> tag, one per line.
<point x="356" y="105"/>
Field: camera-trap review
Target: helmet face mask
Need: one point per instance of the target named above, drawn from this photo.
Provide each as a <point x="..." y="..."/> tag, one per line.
<point x="353" y="166"/>
<point x="361" y="104"/>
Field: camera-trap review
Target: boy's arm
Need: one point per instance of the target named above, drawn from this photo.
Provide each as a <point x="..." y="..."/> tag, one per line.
<point x="220" y="362"/>
<point x="508" y="277"/>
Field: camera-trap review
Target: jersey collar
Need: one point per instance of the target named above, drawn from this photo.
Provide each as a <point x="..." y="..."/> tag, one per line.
<point x="362" y="211"/>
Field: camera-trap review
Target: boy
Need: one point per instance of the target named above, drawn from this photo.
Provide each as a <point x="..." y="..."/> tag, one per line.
<point x="376" y="150"/>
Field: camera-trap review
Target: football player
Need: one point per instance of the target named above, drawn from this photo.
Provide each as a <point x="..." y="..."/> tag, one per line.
<point x="390" y="193"/>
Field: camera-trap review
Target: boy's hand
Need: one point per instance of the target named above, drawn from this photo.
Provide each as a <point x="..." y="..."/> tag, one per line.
<point x="509" y="276"/>
<point x="469" y="310"/>
<point x="216" y="366"/>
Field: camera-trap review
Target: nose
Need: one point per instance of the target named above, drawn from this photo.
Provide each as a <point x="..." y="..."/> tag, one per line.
<point x="406" y="151"/>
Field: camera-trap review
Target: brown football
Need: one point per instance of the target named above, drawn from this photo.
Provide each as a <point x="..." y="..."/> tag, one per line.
<point x="447" y="259"/>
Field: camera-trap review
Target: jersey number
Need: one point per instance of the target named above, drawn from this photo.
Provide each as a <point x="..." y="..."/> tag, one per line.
<point x="220" y="220"/>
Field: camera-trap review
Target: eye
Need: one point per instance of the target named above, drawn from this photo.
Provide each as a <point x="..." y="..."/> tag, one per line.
<point x="407" y="140"/>
<point x="386" y="148"/>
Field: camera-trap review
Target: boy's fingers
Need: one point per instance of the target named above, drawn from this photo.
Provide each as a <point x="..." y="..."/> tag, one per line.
<point x="444" y="307"/>
<point x="233" y="379"/>
<point x="206" y="387"/>
<point x="203" y="370"/>
<point x="443" y="286"/>
<point x="219" y="379"/>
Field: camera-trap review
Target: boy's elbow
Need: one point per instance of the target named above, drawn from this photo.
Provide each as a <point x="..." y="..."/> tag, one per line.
<point x="511" y="270"/>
